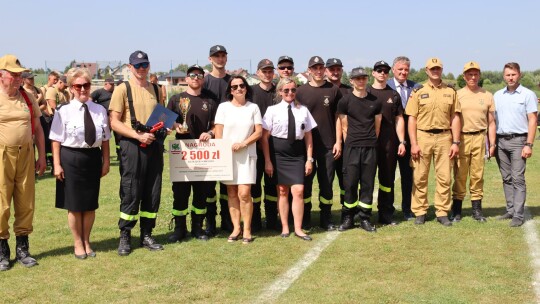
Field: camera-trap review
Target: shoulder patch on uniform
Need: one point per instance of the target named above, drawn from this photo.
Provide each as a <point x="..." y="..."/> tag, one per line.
<point x="426" y="95"/>
<point x="418" y="88"/>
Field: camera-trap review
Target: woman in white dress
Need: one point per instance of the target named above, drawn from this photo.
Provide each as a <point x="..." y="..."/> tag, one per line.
<point x="240" y="121"/>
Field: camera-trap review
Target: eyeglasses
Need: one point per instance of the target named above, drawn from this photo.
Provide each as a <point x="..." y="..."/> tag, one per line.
<point x="143" y="65"/>
<point x="78" y="87"/>
<point x="289" y="67"/>
<point x="286" y="91"/>
<point x="193" y="76"/>
<point x="236" y="86"/>
<point x="382" y="71"/>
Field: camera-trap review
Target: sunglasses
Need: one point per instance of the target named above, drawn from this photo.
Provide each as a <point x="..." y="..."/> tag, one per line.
<point x="236" y="86"/>
<point x="286" y="91"/>
<point x="382" y="71"/>
<point x="290" y="68"/>
<point x="198" y="76"/>
<point x="143" y="65"/>
<point x="78" y="87"/>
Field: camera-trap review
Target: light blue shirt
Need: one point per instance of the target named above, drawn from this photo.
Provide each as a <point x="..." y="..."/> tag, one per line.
<point x="511" y="109"/>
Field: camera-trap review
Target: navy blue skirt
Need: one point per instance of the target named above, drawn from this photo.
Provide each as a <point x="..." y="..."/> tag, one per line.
<point x="79" y="191"/>
<point x="289" y="161"/>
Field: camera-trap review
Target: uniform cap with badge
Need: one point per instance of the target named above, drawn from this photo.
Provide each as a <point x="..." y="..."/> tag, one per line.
<point x="285" y="58"/>
<point x="471" y="65"/>
<point x="358" y="72"/>
<point x="381" y="64"/>
<point x="265" y="63"/>
<point x="433" y="63"/>
<point x="11" y="63"/>
<point x="216" y="49"/>
<point x="333" y="62"/>
<point x="195" y="67"/>
<point x="138" y="57"/>
<point x="315" y="60"/>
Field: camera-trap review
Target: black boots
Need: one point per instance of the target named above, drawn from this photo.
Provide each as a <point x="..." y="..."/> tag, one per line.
<point x="477" y="211"/>
<point x="124" y="247"/>
<point x="456" y="210"/>
<point x="22" y="252"/>
<point x="211" y="212"/>
<point x="306" y="219"/>
<point x="256" y="220"/>
<point x="4" y="255"/>
<point x="270" y="210"/>
<point x="326" y="218"/>
<point x="196" y="227"/>
<point x="148" y="241"/>
<point x="347" y="216"/>
<point x="180" y="229"/>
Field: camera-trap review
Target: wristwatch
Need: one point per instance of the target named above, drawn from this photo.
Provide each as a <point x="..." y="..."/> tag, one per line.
<point x="404" y="142"/>
<point x="529" y="144"/>
<point x="456" y="143"/>
<point x="311" y="159"/>
<point x="211" y="133"/>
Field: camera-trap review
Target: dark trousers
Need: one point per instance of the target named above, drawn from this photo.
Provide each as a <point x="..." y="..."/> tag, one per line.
<point x="359" y="166"/>
<point x="46" y="126"/>
<point x="181" y="193"/>
<point x="324" y="168"/>
<point x="270" y="192"/>
<point x="512" y="167"/>
<point x="338" y="164"/>
<point x="140" y="183"/>
<point x="386" y="163"/>
<point x="406" y="173"/>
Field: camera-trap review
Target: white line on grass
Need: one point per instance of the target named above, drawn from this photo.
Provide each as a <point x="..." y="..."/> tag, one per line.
<point x="279" y="286"/>
<point x="283" y="282"/>
<point x="531" y="237"/>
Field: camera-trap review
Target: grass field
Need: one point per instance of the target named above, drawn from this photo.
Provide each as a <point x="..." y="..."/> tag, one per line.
<point x="467" y="263"/>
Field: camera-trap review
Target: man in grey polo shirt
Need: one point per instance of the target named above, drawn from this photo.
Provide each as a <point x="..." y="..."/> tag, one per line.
<point x="515" y="115"/>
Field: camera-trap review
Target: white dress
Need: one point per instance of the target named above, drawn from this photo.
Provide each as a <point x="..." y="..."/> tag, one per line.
<point x="238" y="124"/>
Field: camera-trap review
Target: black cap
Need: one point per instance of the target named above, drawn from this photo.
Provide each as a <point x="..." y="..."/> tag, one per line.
<point x="138" y="57"/>
<point x="381" y="63"/>
<point x="216" y="49"/>
<point x="333" y="62"/>
<point x="315" y="60"/>
<point x="109" y="80"/>
<point x="63" y="79"/>
<point x="357" y="72"/>
<point x="26" y="75"/>
<point x="285" y="58"/>
<point x="195" y="67"/>
<point x="265" y="63"/>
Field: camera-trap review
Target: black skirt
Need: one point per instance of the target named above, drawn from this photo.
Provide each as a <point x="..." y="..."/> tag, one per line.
<point x="289" y="161"/>
<point x="79" y="191"/>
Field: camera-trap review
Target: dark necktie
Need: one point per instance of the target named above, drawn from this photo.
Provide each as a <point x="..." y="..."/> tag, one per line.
<point x="403" y="94"/>
<point x="291" y="129"/>
<point x="89" y="127"/>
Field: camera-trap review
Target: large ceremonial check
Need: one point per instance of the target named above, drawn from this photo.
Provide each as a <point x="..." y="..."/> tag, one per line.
<point x="194" y="160"/>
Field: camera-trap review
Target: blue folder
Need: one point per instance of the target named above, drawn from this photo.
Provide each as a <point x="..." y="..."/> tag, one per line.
<point x="163" y="114"/>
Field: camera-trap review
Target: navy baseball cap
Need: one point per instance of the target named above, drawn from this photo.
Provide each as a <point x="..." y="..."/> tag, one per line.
<point x="216" y="49"/>
<point x="315" y="60"/>
<point x="138" y="57"/>
<point x="358" y="72"/>
<point x="195" y="67"/>
<point x="333" y="62"/>
<point x="285" y="58"/>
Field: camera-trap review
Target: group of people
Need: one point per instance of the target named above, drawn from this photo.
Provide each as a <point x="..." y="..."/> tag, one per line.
<point x="282" y="134"/>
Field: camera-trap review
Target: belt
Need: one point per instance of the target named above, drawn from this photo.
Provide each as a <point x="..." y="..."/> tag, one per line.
<point x="474" y="132"/>
<point x="436" y="131"/>
<point x="510" y="136"/>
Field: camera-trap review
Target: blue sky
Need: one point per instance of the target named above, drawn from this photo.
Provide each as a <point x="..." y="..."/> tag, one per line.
<point x="490" y="32"/>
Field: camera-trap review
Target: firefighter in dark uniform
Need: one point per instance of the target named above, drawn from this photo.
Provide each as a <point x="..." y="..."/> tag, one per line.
<point x="200" y="121"/>
<point x="334" y="73"/>
<point x="360" y="117"/>
<point x="263" y="95"/>
<point x="391" y="140"/>
<point x="140" y="167"/>
<point x="434" y="130"/>
<point x="321" y="98"/>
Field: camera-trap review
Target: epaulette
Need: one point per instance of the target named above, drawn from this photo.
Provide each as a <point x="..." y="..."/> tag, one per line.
<point x="418" y="87"/>
<point x="451" y="85"/>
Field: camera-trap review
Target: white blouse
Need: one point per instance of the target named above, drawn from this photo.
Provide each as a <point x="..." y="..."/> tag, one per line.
<point x="276" y="120"/>
<point x="68" y="124"/>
